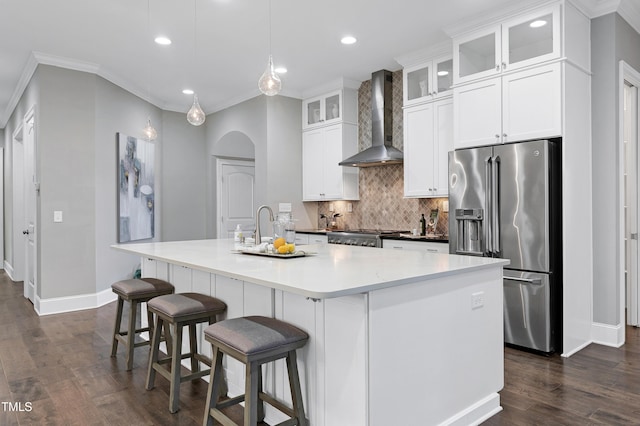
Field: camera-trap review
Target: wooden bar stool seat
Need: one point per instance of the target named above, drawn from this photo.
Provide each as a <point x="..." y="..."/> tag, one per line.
<point x="135" y="291"/>
<point x="180" y="310"/>
<point x="254" y="341"/>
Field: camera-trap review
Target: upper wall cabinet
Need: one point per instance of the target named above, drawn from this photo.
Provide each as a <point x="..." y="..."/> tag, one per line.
<point x="523" y="41"/>
<point x="427" y="81"/>
<point x="331" y="108"/>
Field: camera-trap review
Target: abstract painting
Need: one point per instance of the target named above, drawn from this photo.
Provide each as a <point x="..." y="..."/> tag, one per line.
<point x="135" y="189"/>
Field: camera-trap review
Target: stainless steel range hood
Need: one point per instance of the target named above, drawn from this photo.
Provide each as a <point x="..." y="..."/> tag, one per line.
<point x="381" y="151"/>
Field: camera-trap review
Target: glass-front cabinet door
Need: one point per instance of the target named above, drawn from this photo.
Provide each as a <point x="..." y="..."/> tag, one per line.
<point x="523" y="41"/>
<point x="428" y="80"/>
<point x="443" y="75"/>
<point x="531" y="39"/>
<point x="416" y="83"/>
<point x="323" y="110"/>
<point x="477" y="55"/>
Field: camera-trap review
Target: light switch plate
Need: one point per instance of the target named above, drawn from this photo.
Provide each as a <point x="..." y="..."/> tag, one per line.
<point x="57" y="216"/>
<point x="445" y="206"/>
<point x="284" y="207"/>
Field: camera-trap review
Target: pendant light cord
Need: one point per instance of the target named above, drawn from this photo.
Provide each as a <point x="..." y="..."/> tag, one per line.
<point x="270" y="28"/>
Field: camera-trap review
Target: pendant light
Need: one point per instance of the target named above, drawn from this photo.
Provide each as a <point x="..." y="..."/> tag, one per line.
<point x="270" y="83"/>
<point x="149" y="133"/>
<point x="196" y="115"/>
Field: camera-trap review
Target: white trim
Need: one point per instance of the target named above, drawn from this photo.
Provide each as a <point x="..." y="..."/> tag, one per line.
<point x="57" y="305"/>
<point x="476" y="413"/>
<point x="25" y="78"/>
<point x="577" y="349"/>
<point x="8" y="269"/>
<point x="608" y="335"/>
<point x="625" y="73"/>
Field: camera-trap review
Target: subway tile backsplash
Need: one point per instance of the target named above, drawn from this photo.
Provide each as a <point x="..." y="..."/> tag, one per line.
<point x="382" y="204"/>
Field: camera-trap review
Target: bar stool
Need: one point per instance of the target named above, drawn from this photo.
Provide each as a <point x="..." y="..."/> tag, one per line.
<point x="180" y="310"/>
<point x="254" y="340"/>
<point x="135" y="291"/>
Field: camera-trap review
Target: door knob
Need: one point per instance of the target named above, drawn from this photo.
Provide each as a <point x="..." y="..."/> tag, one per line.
<point x="25" y="232"/>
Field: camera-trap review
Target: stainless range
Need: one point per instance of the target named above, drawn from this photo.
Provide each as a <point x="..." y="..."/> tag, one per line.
<point x="360" y="237"/>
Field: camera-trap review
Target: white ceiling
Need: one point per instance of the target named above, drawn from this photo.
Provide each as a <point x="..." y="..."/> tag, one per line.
<point x="225" y="52"/>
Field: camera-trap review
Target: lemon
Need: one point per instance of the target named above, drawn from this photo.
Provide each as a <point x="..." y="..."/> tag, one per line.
<point x="291" y="248"/>
<point x="279" y="242"/>
<point x="283" y="249"/>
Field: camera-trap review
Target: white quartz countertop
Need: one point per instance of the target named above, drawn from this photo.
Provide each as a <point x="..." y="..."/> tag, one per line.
<point x="332" y="271"/>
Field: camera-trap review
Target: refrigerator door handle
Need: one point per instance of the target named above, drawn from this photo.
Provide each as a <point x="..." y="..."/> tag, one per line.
<point x="488" y="248"/>
<point x="536" y="281"/>
<point x="496" y="205"/>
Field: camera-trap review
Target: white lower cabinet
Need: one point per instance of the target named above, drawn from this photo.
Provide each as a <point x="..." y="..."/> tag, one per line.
<point x="428" y="138"/>
<point x="430" y="247"/>
<point x="302" y="239"/>
<point x="333" y="363"/>
<point x="518" y="106"/>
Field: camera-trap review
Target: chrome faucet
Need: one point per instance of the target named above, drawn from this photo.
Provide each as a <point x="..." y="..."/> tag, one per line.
<point x="258" y="235"/>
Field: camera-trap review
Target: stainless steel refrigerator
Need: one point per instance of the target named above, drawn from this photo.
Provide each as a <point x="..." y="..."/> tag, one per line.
<point x="505" y="201"/>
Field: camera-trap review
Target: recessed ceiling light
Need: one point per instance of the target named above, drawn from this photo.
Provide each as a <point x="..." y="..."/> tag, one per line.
<point x="188" y="92"/>
<point x="443" y="73"/>
<point x="281" y="70"/>
<point x="348" y="40"/>
<point x="164" y="41"/>
<point x="537" y="24"/>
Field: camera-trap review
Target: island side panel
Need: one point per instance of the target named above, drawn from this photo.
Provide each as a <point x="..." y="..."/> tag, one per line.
<point x="433" y="357"/>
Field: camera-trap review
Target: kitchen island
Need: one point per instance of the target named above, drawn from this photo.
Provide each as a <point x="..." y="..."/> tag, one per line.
<point x="396" y="337"/>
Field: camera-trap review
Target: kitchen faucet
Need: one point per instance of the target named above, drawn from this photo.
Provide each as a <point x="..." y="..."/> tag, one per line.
<point x="258" y="236"/>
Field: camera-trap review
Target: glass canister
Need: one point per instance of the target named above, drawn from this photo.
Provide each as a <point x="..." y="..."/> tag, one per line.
<point x="290" y="232"/>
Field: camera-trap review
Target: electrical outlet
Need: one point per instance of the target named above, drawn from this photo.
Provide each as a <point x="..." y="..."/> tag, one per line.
<point x="57" y="216"/>
<point x="477" y="300"/>
<point x="445" y="206"/>
<point x="349" y="208"/>
<point x="331" y="207"/>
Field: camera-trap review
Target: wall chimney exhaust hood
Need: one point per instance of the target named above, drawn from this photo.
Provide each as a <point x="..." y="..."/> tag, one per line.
<point x="381" y="151"/>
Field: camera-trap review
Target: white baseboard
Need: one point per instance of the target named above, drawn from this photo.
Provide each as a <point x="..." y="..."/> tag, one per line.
<point x="476" y="413"/>
<point x="608" y="335"/>
<point x="9" y="270"/>
<point x="57" y="305"/>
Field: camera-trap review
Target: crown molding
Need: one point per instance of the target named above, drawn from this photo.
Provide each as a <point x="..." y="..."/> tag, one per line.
<point x="422" y="55"/>
<point x="493" y="16"/>
<point x="25" y="77"/>
<point x="337" y="84"/>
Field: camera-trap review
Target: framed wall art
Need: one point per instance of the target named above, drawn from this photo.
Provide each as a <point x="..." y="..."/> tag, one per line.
<point x="136" y="189"/>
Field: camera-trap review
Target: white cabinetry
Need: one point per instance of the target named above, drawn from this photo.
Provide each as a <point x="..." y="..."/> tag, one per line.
<point x="430" y="247"/>
<point x="523" y="41"/>
<point x="518" y="106"/>
<point x="427" y="81"/>
<point x="302" y="238"/>
<point x="334" y="107"/>
<point x="322" y="149"/>
<point x="428" y="138"/>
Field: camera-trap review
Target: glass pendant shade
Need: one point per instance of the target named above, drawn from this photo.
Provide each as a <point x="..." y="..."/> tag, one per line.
<point x="149" y="132"/>
<point x="196" y="115"/>
<point x="270" y="83"/>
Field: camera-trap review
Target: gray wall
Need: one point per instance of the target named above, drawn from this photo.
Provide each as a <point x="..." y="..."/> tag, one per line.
<point x="612" y="40"/>
<point x="273" y="125"/>
<point x="184" y="178"/>
<point x="78" y="116"/>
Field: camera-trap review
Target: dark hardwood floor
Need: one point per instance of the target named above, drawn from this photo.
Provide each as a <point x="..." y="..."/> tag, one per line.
<point x="56" y="370"/>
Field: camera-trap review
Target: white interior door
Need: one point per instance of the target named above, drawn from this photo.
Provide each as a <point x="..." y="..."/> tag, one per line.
<point x="236" y="199"/>
<point x="30" y="194"/>
<point x="632" y="184"/>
